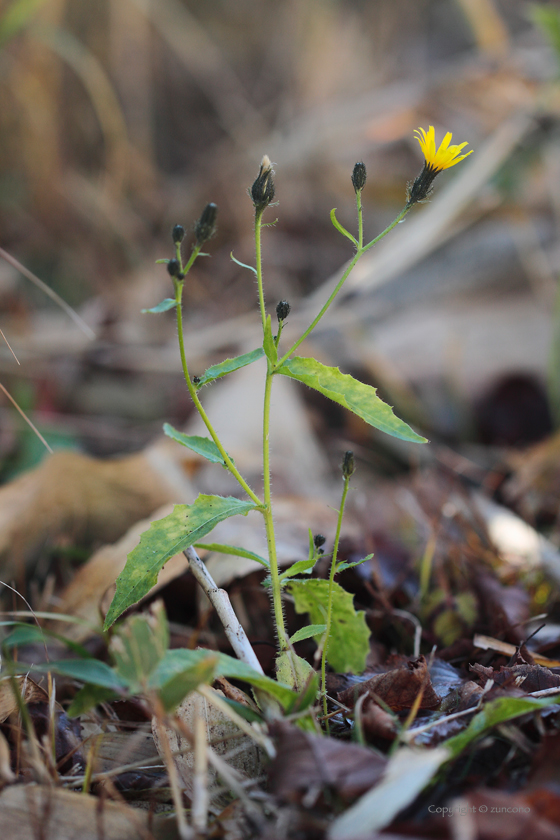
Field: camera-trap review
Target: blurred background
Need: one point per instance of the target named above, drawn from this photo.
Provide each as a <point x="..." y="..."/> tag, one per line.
<point x="122" y="118"/>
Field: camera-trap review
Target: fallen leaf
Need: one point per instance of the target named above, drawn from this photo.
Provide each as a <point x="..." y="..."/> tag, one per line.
<point x="398" y="688"/>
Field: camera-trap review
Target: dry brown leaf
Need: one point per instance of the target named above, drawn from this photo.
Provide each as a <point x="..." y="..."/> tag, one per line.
<point x="526" y="677"/>
<point x="398" y="688"/>
<point x="89" y="594"/>
<point x="306" y="762"/>
<point x="31" y="811"/>
<point x="29" y="690"/>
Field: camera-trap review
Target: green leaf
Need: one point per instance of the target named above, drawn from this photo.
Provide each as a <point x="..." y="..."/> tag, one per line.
<point x="548" y="18"/>
<point x="346" y="391"/>
<point x="307" y="632"/>
<point x="88" y="697"/>
<point x="243" y="265"/>
<point x="341" y="229"/>
<point x="493" y="713"/>
<point x="269" y="346"/>
<point x="300" y="567"/>
<point x="228" y="366"/>
<point x="164" y="306"/>
<point x="140" y="644"/>
<point x="177" y="661"/>
<point x="165" y="538"/>
<point x="294" y="671"/>
<point x="344" y="565"/>
<point x="91" y="671"/>
<point x="176" y="689"/>
<point x="348" y="644"/>
<point x="201" y="445"/>
<point x="26" y="634"/>
<point x="16" y="17"/>
<point x="234" y="550"/>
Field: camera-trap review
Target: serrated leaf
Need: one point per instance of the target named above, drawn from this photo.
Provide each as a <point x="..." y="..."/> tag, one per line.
<point x="228" y="366"/>
<point x="165" y="538"/>
<point x="201" y="445"/>
<point x="269" y="346"/>
<point x="346" y="391"/>
<point x="234" y="550"/>
<point x="164" y="306"/>
<point x="307" y="632"/>
<point x="348" y="644"/>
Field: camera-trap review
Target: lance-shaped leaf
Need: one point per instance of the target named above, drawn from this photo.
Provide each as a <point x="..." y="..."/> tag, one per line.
<point x="201" y="445"/>
<point x="164" y="306"/>
<point x="228" y="366"/>
<point x="348" y="392"/>
<point x="165" y="538"/>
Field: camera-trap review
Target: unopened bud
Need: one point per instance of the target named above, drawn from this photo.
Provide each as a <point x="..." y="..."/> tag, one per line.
<point x="178" y="234"/>
<point x="282" y="310"/>
<point x="319" y="540"/>
<point x="174" y="268"/>
<point x="359" y="176"/>
<point x="348" y="465"/>
<point x="196" y="380"/>
<point x="262" y="191"/>
<point x="205" y="228"/>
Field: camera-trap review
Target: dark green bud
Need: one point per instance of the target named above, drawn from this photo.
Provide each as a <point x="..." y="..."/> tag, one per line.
<point x="174" y="268"/>
<point x="282" y="310"/>
<point x="178" y="234"/>
<point x="205" y="228"/>
<point x="196" y="380"/>
<point x="262" y="191"/>
<point x="319" y="540"/>
<point x="348" y="465"/>
<point x="359" y="176"/>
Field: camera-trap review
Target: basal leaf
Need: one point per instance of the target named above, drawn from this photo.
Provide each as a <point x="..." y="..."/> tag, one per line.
<point x="165" y="538"/>
<point x="294" y="671"/>
<point x="201" y="445"/>
<point x="346" y="391"/>
<point x="228" y="366"/>
<point x="164" y="306"/>
<point x="348" y="644"/>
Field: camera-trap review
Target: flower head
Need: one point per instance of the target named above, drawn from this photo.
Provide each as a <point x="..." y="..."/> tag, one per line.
<point x="435" y="161"/>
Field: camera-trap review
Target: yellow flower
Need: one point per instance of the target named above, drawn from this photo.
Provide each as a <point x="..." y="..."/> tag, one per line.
<point x="435" y="161"/>
<point x="446" y="155"/>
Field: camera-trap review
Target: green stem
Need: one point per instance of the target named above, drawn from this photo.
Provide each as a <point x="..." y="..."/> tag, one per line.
<point x="330" y="601"/>
<point x="192" y="390"/>
<point x="361" y="250"/>
<point x="258" y="261"/>
<point x="360" y="220"/>
<point x="275" y="587"/>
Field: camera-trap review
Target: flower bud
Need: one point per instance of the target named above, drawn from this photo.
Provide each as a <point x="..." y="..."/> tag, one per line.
<point x="205" y="228"/>
<point x="348" y="465"/>
<point x="178" y="234"/>
<point x="359" y="176"/>
<point x="174" y="268"/>
<point x="282" y="310"/>
<point x="319" y="540"/>
<point x="196" y="380"/>
<point x="262" y="191"/>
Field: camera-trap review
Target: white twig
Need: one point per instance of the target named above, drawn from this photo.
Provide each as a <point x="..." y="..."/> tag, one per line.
<point x="220" y="601"/>
<point x="200" y="794"/>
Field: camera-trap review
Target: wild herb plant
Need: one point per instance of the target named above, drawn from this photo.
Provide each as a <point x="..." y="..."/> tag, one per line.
<point x="340" y="631"/>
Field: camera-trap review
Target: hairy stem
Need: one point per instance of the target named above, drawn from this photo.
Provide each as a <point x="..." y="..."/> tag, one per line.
<point x="330" y="601"/>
